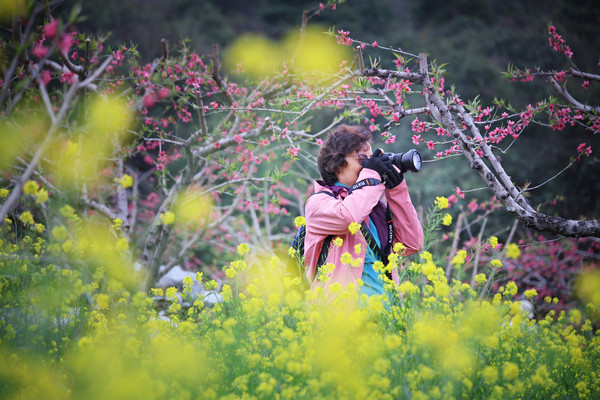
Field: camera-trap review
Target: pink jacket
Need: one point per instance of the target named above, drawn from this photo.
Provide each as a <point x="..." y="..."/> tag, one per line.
<point x="327" y="215"/>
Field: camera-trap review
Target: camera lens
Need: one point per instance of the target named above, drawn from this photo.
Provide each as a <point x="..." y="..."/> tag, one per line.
<point x="408" y="161"/>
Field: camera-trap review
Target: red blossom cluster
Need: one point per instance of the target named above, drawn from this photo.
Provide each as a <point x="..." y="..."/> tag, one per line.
<point x="557" y="42"/>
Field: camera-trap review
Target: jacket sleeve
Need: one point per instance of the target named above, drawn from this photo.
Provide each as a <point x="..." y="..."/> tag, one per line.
<point x="407" y="227"/>
<point x="326" y="215"/>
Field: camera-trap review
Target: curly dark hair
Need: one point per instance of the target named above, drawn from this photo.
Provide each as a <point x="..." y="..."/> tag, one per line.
<point x="344" y="140"/>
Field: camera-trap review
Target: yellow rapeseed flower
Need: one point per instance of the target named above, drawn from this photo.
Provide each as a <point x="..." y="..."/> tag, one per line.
<point x="167" y="218"/>
<point x="26" y="218"/>
<point x="357" y="262"/>
<point x="530" y="293"/>
<point x="30" y="187"/>
<point x="490" y="374"/>
<point x="292" y="252"/>
<point x="338" y="241"/>
<point x="230" y="272"/>
<point x="122" y="244"/>
<point x="211" y="285"/>
<point x="59" y="233"/>
<point x="102" y="301"/>
<point x="125" y="181"/>
<point x="447" y="219"/>
<point x="510" y="370"/>
<point x="117" y="222"/>
<point x="4" y="193"/>
<point x="399" y="248"/>
<point x="480" y="279"/>
<point x="442" y="203"/>
<point x="459" y="258"/>
<point x="493" y="241"/>
<point x="407" y="288"/>
<point x="512" y="251"/>
<point x="353" y="227"/>
<point x="299" y="222"/>
<point x="357" y="249"/>
<point x="511" y="289"/>
<point x="171" y="291"/>
<point x="428" y="268"/>
<point x="67" y="211"/>
<point x="243" y="249"/>
<point x="41" y="196"/>
<point x="346" y="258"/>
<point x="496" y="263"/>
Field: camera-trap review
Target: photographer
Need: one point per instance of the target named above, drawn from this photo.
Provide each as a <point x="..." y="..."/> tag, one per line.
<point x="354" y="182"/>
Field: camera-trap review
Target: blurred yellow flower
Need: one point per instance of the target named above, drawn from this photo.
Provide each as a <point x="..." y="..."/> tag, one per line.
<point x="493" y="240"/>
<point x="122" y="244"/>
<point x="67" y="211"/>
<point x="490" y="374"/>
<point x="407" y="288"/>
<point x="353" y="227"/>
<point x="428" y="268"/>
<point x="447" y="219"/>
<point x="496" y="263"/>
<point x="530" y="293"/>
<point x="292" y="252"/>
<point x="346" y="258"/>
<point x="59" y="233"/>
<point x="30" y="187"/>
<point x="459" y="258"/>
<point x="480" y="279"/>
<point x="171" y="292"/>
<point x="4" y="192"/>
<point x="512" y="251"/>
<point x="358" y="249"/>
<point x="167" y="218"/>
<point x="126" y="181"/>
<point x="102" y="301"/>
<point x="338" y="241"/>
<point x="26" y="218"/>
<point x="511" y="289"/>
<point x="243" y="249"/>
<point x="510" y="370"/>
<point x="211" y="285"/>
<point x="230" y="272"/>
<point x="42" y="196"/>
<point x="442" y="203"/>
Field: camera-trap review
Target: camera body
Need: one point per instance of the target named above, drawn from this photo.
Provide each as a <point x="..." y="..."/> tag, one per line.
<point x="407" y="161"/>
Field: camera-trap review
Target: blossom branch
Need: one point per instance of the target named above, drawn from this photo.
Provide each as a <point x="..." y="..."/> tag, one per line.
<point x="562" y="90"/>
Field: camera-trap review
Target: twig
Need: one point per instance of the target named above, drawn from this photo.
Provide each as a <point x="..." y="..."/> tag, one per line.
<point x="478" y="253"/>
<point x="455" y="241"/>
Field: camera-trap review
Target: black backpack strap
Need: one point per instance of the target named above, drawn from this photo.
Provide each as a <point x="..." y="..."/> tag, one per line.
<point x="298" y="241"/>
<point x="390" y="228"/>
<point x="324" y="252"/>
<point x="372" y="243"/>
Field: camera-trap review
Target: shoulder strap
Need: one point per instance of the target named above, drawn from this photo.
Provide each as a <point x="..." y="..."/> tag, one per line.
<point x="372" y="243"/>
<point x="365" y="182"/>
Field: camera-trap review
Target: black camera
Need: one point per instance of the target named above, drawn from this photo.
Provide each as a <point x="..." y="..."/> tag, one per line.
<point x="408" y="161"/>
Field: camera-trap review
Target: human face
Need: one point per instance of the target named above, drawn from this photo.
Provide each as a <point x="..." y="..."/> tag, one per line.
<point x="349" y="174"/>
